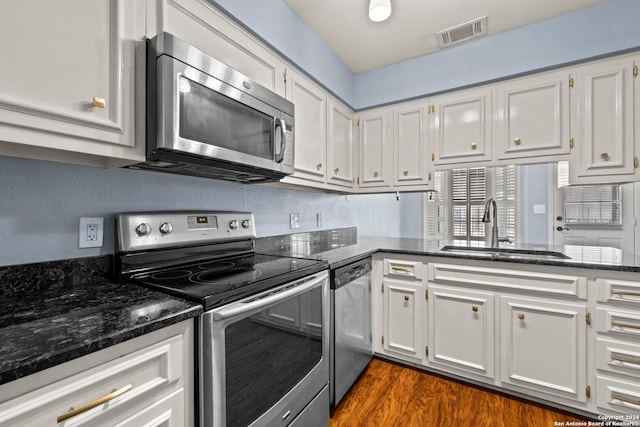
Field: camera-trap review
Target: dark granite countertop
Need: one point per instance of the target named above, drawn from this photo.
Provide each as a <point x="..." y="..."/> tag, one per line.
<point x="54" y="312"/>
<point x="341" y="250"/>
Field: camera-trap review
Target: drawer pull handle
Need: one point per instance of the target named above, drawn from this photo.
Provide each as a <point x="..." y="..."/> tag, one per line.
<point x="626" y="293"/>
<point x="99" y="401"/>
<point x="406" y="172"/>
<point x="475" y="309"/>
<point x="521" y="316"/>
<point x="604" y="156"/>
<point x="625" y="359"/>
<point x="406" y="298"/>
<point x="375" y="174"/>
<point x="407" y="270"/>
<point x="99" y="102"/>
<point x="625" y="399"/>
<point x="474" y="145"/>
<point x="336" y="170"/>
<point x="517" y="141"/>
<point x="625" y="325"/>
<point x="319" y="166"/>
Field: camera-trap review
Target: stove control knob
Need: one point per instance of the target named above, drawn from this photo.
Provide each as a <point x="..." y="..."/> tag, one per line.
<point x="143" y="229"/>
<point x="246" y="223"/>
<point x="166" y="228"/>
<point x="233" y="224"/>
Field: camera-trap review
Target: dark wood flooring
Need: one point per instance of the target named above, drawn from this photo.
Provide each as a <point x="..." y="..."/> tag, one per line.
<point x="391" y="395"/>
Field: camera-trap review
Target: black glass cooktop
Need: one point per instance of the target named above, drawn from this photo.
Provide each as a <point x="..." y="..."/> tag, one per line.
<point x="220" y="282"/>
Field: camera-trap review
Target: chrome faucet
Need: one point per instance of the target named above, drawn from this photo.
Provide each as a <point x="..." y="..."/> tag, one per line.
<point x="495" y="240"/>
<point x="485" y="218"/>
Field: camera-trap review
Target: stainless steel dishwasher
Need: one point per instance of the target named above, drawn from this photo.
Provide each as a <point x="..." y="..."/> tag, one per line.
<point x="351" y="345"/>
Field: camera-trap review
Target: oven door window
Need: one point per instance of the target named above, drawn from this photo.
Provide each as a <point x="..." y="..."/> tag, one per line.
<point x="238" y="128"/>
<point x="270" y="352"/>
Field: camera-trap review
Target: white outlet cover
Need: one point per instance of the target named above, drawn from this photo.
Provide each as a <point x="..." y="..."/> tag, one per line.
<point x="539" y="209"/>
<point x="84" y="240"/>
<point x="294" y="220"/>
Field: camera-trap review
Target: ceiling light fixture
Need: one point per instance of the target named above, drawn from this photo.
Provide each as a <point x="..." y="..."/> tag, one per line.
<point x="379" y="10"/>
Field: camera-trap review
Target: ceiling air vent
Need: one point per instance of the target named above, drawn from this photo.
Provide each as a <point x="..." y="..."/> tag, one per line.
<point x="463" y="32"/>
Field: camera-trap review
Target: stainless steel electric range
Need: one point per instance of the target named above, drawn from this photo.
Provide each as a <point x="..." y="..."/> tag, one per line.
<point x="263" y="339"/>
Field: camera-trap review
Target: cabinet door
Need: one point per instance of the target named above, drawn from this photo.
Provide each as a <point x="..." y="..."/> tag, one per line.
<point x="203" y="26"/>
<point x="461" y="329"/>
<point x="166" y="412"/>
<point x="410" y="145"/>
<point x="402" y="318"/>
<point x="340" y="145"/>
<point x="376" y="148"/>
<point x="533" y="117"/>
<point x="544" y="347"/>
<point x="310" y="128"/>
<point x="603" y="121"/>
<point x="462" y="127"/>
<point x="71" y="83"/>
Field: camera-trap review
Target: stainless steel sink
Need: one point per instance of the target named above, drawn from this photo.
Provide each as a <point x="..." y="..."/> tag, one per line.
<point x="497" y="253"/>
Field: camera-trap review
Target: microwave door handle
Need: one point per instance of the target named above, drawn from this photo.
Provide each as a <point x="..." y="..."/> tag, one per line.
<point x="280" y="123"/>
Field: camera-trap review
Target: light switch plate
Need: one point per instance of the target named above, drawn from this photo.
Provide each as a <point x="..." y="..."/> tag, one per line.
<point x="539" y="209"/>
<point x="294" y="220"/>
<point x="91" y="233"/>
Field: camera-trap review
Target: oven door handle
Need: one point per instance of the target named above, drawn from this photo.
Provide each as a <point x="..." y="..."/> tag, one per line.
<point x="269" y="298"/>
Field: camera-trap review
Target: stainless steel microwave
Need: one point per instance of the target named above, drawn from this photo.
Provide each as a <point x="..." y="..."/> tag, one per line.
<point x="206" y="119"/>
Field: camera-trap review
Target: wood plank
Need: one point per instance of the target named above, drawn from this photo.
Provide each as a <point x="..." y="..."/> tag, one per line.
<point x="390" y="394"/>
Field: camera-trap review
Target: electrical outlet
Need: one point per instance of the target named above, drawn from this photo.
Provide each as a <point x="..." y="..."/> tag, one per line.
<point x="91" y="232"/>
<point x="294" y="220"/>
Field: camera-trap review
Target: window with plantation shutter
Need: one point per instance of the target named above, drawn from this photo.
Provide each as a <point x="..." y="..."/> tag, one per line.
<point x="436" y="221"/>
<point x="504" y="190"/>
<point x="454" y="211"/>
<point x="468" y="196"/>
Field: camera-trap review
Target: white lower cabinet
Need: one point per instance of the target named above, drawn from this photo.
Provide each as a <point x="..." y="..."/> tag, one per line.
<point x="543" y="346"/>
<point x="402" y="302"/>
<point x="147" y="381"/>
<point x="461" y="330"/>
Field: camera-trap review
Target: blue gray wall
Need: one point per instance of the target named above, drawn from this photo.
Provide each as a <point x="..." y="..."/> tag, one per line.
<point x="41" y="203"/>
<point x="534" y="189"/>
<point x="594" y="31"/>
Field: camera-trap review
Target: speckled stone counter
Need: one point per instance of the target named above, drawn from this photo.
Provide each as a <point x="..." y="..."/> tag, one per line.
<point x="342" y="251"/>
<point x="54" y="312"/>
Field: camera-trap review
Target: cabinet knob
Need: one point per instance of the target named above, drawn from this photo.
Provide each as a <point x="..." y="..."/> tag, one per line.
<point x="319" y="166"/>
<point x="375" y="174"/>
<point x="516" y="141"/>
<point x="474" y="145"/>
<point x="336" y="170"/>
<point x="604" y="156"/>
<point x="475" y="309"/>
<point x="406" y="172"/>
<point x="406" y="298"/>
<point x="99" y="102"/>
<point x="521" y="316"/>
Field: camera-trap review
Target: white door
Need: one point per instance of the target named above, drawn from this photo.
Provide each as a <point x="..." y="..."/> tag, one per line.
<point x="376" y="148"/>
<point x="620" y="236"/>
<point x="410" y="145"/>
<point x="402" y="318"/>
<point x="340" y="145"/>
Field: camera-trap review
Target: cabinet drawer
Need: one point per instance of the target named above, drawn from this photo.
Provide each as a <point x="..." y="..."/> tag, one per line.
<point x="619" y="396"/>
<point x="619" y="323"/>
<point x="613" y="290"/>
<point x="402" y="268"/>
<point x="135" y="377"/>
<point x="557" y="284"/>
<point x="619" y="357"/>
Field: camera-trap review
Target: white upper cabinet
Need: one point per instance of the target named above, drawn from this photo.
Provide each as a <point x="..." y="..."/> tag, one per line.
<point x="376" y="148"/>
<point x="410" y="145"/>
<point x="532" y="117"/>
<point x="340" y="145"/>
<point x="310" y="127"/>
<point x="203" y="26"/>
<point x="603" y="121"/>
<point x="68" y="85"/>
<point x="462" y="127"/>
